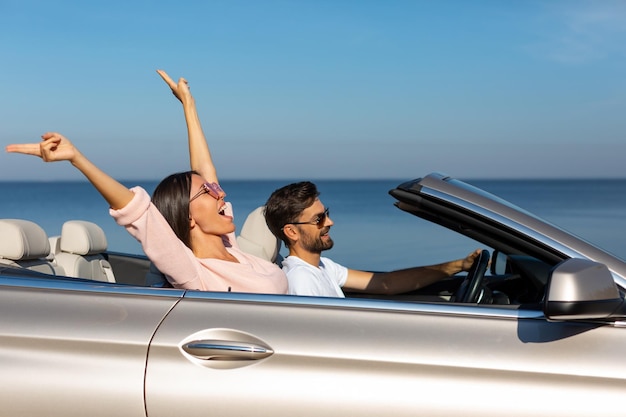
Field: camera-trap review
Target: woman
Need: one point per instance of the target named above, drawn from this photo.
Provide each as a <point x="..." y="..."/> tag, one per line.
<point x="187" y="229"/>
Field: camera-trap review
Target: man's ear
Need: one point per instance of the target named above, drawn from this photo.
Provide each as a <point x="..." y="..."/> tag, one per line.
<point x="291" y="232"/>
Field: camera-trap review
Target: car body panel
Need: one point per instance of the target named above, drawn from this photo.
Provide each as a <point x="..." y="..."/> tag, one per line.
<point x="75" y="348"/>
<point x="372" y="358"/>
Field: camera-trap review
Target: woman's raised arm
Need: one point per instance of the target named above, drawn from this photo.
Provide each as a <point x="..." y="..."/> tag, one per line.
<point x="199" y="153"/>
<point x="56" y="147"/>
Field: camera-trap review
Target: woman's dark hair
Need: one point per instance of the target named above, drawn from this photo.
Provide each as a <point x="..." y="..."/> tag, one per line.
<point x="286" y="204"/>
<point x="171" y="198"/>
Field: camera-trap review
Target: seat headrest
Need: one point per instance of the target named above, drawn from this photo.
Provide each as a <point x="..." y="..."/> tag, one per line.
<point x="22" y="240"/>
<point x="256" y="238"/>
<point x="82" y="238"/>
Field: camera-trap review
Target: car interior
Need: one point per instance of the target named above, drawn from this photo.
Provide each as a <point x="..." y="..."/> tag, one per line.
<point x="80" y="252"/>
<point x="515" y="271"/>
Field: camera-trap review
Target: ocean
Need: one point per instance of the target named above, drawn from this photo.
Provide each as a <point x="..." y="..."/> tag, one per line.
<point x="369" y="232"/>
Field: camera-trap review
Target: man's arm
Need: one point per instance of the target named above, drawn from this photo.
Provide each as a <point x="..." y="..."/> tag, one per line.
<point x="405" y="280"/>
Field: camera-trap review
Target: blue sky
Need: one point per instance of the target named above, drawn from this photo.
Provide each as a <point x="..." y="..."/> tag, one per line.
<point x="320" y="89"/>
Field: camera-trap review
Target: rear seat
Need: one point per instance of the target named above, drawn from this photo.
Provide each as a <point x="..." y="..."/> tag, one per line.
<point x="79" y="251"/>
<point x="25" y="244"/>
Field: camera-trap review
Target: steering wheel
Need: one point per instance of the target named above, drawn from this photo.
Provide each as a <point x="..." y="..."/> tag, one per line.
<point x="470" y="287"/>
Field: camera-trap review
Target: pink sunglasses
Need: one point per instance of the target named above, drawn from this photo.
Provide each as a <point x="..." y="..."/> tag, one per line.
<point x="211" y="188"/>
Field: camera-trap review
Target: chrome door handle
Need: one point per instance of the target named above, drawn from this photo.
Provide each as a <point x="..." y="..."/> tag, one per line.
<point x="226" y="350"/>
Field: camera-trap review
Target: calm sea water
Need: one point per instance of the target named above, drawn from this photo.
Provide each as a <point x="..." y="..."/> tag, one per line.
<point x="369" y="232"/>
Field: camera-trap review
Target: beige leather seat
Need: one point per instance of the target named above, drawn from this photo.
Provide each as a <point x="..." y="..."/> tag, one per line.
<point x="80" y="251"/>
<point x="25" y="244"/>
<point x="255" y="237"/>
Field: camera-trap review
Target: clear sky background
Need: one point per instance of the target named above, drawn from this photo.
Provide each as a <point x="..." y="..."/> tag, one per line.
<point x="320" y="89"/>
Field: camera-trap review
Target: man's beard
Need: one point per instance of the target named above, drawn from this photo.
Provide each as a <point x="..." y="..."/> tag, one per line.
<point x="315" y="244"/>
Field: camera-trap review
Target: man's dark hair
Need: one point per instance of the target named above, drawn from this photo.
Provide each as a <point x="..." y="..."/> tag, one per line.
<point x="286" y="204"/>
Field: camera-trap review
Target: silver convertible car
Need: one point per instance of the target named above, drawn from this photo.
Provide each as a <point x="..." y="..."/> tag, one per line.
<point x="536" y="327"/>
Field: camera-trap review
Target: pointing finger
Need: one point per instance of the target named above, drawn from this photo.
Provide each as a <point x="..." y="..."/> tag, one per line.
<point x="25" y="148"/>
<point x="167" y="79"/>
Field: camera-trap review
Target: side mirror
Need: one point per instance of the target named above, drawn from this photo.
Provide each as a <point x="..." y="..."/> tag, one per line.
<point x="580" y="289"/>
<point x="499" y="263"/>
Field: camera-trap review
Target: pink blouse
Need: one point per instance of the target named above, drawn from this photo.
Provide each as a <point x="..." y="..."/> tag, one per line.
<point x="182" y="268"/>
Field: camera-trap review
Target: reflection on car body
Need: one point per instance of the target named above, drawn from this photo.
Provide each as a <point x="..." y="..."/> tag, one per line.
<point x="540" y="333"/>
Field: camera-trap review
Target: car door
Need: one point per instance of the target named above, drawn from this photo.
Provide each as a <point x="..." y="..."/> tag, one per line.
<point x="72" y="348"/>
<point x="233" y="355"/>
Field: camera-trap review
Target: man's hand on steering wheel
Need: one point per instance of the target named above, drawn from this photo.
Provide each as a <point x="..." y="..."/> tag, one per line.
<point x="470" y="289"/>
<point x="469" y="260"/>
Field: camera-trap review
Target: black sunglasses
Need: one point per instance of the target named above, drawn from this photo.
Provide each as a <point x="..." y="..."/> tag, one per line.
<point x="318" y="221"/>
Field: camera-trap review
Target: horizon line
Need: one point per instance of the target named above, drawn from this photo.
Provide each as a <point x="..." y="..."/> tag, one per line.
<point x="351" y="179"/>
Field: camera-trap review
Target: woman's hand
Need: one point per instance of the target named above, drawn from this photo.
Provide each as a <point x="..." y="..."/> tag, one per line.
<point x="53" y="147"/>
<point x="200" y="158"/>
<point x="180" y="89"/>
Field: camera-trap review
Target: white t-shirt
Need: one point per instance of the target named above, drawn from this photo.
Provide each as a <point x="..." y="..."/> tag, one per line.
<point x="305" y="279"/>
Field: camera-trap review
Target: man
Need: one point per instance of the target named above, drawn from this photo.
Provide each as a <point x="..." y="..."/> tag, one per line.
<point x="295" y="214"/>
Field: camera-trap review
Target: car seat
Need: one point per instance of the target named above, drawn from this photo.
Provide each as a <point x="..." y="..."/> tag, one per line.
<point x="24" y="244"/>
<point x="81" y="250"/>
<point x="257" y="239"/>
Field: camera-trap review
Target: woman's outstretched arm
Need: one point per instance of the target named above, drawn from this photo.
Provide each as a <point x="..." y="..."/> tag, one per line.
<point x="199" y="153"/>
<point x="56" y="147"/>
